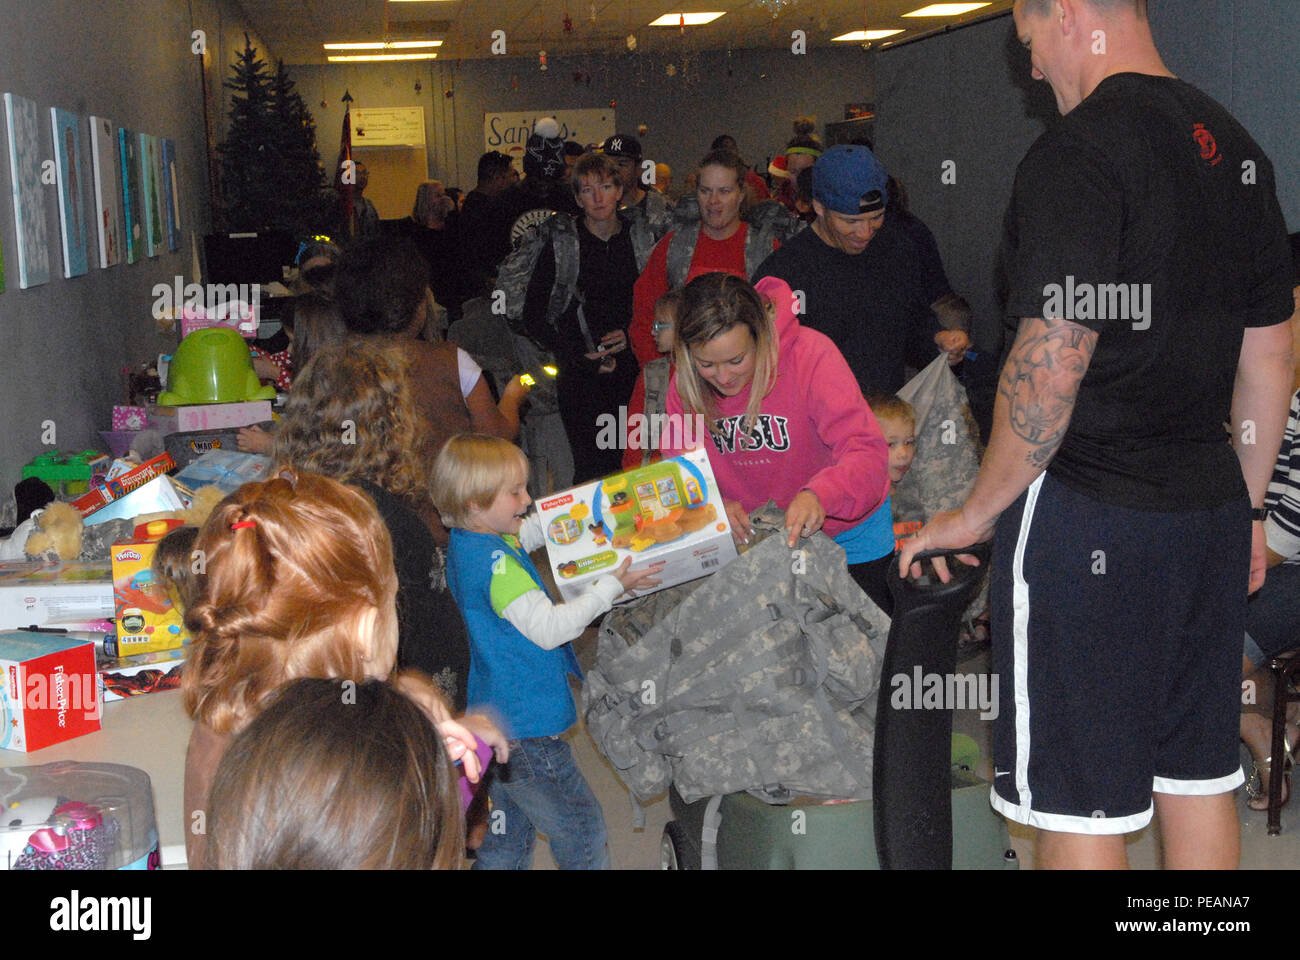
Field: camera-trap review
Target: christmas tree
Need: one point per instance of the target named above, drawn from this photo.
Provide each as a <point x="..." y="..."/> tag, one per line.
<point x="270" y="169"/>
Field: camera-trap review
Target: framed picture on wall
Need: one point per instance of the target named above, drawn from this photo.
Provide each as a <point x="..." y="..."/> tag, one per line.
<point x="150" y="170"/>
<point x="171" y="193"/>
<point x="133" y="224"/>
<point x="29" y="207"/>
<point x="108" y="191"/>
<point x="68" y="166"/>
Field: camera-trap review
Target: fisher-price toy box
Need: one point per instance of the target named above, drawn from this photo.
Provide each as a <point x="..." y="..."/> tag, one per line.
<point x="147" y="618"/>
<point x="50" y="690"/>
<point x="669" y="511"/>
<point x="38" y="592"/>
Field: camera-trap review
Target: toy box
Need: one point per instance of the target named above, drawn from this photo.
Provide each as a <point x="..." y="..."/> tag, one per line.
<point x="39" y="592"/>
<point x="119" y="485"/>
<point x="670" y="511"/>
<point x="128" y="417"/>
<point x="228" y="470"/>
<point x="67" y="473"/>
<point x="187" y="447"/>
<point x="50" y="690"/>
<point x="208" y="416"/>
<point x="71" y="815"/>
<point x="123" y="677"/>
<point x="147" y="619"/>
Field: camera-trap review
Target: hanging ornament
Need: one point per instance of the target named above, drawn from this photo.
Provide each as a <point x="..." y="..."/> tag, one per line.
<point x="681" y="23"/>
<point x="541" y="59"/>
<point x="449" y="93"/>
<point x="418" y="86"/>
<point x="776" y="6"/>
<point x="631" y="41"/>
<point x="613" y="104"/>
<point x="324" y="104"/>
<point x="671" y="69"/>
<point x="568" y="25"/>
<point x="514" y="82"/>
<point x="641" y="130"/>
<point x="591" y="13"/>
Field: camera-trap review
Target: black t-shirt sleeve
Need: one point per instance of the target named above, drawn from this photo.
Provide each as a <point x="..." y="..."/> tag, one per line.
<point x="1068" y="220"/>
<point x="931" y="280"/>
<point x="1269" y="301"/>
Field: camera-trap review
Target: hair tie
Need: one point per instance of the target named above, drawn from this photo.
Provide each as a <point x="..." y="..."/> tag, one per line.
<point x="243" y="523"/>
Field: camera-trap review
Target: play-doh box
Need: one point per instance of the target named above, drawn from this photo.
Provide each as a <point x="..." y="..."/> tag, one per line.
<point x="669" y="511"/>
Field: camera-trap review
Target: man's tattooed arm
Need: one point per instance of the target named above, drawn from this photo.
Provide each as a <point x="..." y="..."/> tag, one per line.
<point x="1040" y="383"/>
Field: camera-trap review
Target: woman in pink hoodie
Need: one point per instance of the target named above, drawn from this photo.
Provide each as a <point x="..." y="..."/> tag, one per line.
<point x="787" y="420"/>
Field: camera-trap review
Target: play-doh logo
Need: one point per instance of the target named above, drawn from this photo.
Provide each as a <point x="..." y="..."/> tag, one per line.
<point x="128" y="554"/>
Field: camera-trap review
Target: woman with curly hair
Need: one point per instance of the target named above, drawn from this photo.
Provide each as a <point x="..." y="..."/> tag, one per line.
<point x="352" y="416"/>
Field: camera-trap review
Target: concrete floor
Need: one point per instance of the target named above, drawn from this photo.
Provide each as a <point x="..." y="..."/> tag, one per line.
<point x="639" y="849"/>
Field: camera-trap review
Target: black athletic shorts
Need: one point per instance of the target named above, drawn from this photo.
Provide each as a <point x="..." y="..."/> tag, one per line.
<point x="1117" y="641"/>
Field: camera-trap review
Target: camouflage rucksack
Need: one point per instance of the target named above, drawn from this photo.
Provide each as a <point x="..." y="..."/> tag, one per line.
<point x="655" y="376"/>
<point x="768" y="222"/>
<point x="761" y="677"/>
<point x="561" y="231"/>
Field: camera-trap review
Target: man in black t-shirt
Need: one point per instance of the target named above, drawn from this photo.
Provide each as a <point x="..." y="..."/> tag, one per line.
<point x="862" y="274"/>
<point x="1150" y="282"/>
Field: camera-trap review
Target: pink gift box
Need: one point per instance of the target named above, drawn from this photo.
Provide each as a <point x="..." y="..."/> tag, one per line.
<point x="128" y="418"/>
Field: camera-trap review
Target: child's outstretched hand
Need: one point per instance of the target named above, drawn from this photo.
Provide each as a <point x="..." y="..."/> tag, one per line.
<point x="637" y="579"/>
<point x="253" y="440"/>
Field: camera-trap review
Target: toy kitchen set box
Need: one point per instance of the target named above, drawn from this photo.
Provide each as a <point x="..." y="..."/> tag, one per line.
<point x="669" y="511"/>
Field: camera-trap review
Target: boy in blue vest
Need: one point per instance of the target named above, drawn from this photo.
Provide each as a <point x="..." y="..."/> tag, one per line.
<point x="520" y="655"/>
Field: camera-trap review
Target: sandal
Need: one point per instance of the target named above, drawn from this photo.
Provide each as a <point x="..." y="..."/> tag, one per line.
<point x="1257" y="785"/>
<point x="975" y="633"/>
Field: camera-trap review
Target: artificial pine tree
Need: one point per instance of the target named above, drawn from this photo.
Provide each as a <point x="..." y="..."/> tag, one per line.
<point x="270" y="170"/>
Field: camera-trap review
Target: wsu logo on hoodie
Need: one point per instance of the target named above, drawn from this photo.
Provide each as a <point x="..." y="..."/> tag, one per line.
<point x="769" y="433"/>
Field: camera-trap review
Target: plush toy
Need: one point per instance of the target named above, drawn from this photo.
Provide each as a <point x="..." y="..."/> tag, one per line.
<point x="59" y="532"/>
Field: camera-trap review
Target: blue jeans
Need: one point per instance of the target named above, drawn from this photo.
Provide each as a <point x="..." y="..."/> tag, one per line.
<point x="541" y="789"/>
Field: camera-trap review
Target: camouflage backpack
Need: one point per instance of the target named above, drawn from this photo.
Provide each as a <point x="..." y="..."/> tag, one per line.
<point x="761" y="677"/>
<point x="768" y="222"/>
<point x="561" y="231"/>
<point x="656" y="375"/>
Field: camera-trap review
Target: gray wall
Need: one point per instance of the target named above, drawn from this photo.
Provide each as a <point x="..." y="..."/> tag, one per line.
<point x="129" y="61"/>
<point x="682" y="113"/>
<point x="967" y="97"/>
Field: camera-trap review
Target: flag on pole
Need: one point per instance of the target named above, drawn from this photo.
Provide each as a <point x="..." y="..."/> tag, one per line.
<point x="347" y="176"/>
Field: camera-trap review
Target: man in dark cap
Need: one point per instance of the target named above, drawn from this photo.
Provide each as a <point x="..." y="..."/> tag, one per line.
<point x="650" y="204"/>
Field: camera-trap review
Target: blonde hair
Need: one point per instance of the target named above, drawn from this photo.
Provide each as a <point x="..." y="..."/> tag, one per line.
<point x="298" y="582"/>
<point x="351" y="415"/>
<point x="471" y="469"/>
<point x="891" y="405"/>
<point x="711" y="305"/>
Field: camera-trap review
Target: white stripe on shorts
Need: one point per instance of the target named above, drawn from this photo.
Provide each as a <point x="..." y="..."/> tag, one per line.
<point x="1020" y="646"/>
<point x="1068" y="823"/>
<point x="1199" y="788"/>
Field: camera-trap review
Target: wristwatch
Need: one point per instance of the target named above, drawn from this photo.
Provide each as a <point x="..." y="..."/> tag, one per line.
<point x="1259" y="513"/>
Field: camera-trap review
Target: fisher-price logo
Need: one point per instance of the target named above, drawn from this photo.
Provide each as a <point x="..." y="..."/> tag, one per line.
<point x="124" y="555"/>
<point x="557" y="501"/>
<point x="13" y="683"/>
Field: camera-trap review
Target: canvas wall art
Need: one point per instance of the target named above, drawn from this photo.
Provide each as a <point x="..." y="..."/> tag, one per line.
<point x="69" y="156"/>
<point x="29" y="206"/>
<point x="132" y="205"/>
<point x="171" y="194"/>
<point x="108" y="191"/>
<point x="150" y="182"/>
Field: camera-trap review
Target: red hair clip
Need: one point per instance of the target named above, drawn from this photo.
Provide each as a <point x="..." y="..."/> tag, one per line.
<point x="243" y="523"/>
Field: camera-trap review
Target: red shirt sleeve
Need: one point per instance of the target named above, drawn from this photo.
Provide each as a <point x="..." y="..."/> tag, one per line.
<point x="650" y="286"/>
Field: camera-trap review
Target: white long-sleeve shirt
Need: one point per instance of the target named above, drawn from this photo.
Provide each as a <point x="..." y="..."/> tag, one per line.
<point x="550" y="624"/>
